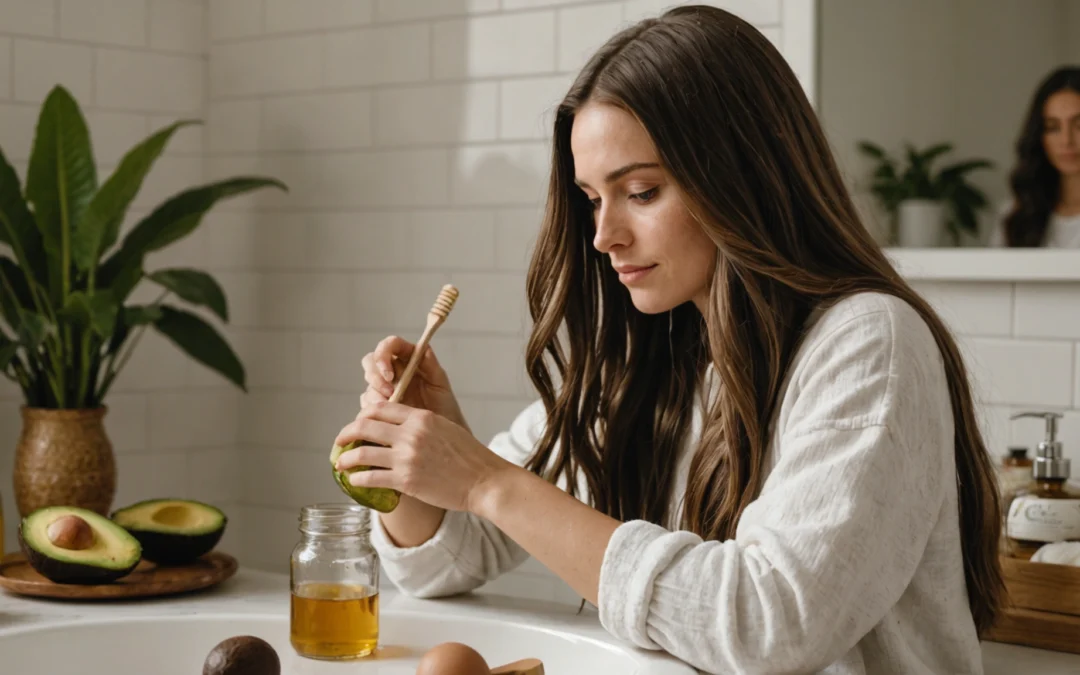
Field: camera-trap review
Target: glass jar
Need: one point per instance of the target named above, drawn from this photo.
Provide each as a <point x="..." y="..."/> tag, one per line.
<point x="334" y="584"/>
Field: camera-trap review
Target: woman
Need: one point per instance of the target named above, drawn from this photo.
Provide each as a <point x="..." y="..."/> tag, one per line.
<point x="1045" y="209"/>
<point x="755" y="446"/>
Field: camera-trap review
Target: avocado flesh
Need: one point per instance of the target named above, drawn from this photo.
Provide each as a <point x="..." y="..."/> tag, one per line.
<point x="383" y="500"/>
<point x="113" y="554"/>
<point x="173" y="531"/>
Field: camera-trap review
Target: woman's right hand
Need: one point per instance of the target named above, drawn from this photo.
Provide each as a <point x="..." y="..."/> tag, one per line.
<point x="429" y="389"/>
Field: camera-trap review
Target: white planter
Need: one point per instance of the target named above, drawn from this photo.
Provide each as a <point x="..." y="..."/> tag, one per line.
<point x="920" y="223"/>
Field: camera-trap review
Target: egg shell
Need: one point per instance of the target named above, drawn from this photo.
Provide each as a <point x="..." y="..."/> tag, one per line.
<point x="452" y="658"/>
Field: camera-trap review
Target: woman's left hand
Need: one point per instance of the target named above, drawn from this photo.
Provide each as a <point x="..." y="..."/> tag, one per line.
<point x="428" y="456"/>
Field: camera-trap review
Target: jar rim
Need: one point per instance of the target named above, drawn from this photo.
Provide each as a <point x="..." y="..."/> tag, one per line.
<point x="334" y="518"/>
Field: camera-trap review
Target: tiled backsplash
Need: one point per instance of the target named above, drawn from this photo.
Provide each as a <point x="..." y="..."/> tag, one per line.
<point x="1022" y="343"/>
<point x="413" y="137"/>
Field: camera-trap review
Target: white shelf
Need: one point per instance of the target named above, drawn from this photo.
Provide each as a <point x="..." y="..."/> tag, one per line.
<point x="986" y="264"/>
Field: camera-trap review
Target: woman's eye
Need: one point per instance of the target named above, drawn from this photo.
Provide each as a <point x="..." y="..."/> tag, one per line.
<point x="595" y="203"/>
<point x="644" y="196"/>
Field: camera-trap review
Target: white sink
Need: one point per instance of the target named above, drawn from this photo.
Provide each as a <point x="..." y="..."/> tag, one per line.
<point x="178" y="645"/>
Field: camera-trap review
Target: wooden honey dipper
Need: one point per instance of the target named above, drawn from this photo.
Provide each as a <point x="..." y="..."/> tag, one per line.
<point x="435" y="318"/>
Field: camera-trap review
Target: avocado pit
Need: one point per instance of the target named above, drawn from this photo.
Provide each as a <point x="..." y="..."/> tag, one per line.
<point x="71" y="532"/>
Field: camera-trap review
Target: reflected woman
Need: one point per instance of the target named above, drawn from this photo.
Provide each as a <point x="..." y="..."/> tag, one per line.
<point x="1045" y="209"/>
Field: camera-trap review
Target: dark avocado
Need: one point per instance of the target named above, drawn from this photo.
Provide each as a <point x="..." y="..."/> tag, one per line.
<point x="242" y="655"/>
<point x="70" y="545"/>
<point x="172" y="531"/>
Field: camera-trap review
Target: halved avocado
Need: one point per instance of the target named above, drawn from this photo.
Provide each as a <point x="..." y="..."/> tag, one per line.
<point x="384" y="500"/>
<point x="70" y="545"/>
<point x="173" y="531"/>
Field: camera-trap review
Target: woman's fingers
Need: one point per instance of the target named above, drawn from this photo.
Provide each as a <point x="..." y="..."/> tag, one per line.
<point x="368" y="399"/>
<point x="365" y="429"/>
<point x="390" y="354"/>
<point x="375" y="478"/>
<point x="374" y="377"/>
<point x="365" y="455"/>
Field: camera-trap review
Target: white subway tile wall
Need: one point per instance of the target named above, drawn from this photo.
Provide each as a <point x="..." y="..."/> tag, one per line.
<point x="1022" y="345"/>
<point x="134" y="67"/>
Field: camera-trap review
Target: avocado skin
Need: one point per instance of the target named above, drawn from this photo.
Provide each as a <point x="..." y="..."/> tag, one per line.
<point x="176" y="549"/>
<point x="242" y="655"/>
<point x="60" y="572"/>
<point x="383" y="500"/>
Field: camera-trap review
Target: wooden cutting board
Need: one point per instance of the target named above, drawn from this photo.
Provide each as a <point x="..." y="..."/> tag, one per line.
<point x="147" y="580"/>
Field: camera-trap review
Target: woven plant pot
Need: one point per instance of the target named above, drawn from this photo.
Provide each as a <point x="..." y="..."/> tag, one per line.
<point x="64" y="458"/>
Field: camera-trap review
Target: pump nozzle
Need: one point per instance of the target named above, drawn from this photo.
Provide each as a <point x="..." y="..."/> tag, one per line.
<point x="1049" y="463"/>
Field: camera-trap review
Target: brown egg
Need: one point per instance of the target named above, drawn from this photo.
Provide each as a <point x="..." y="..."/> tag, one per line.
<point x="452" y="658"/>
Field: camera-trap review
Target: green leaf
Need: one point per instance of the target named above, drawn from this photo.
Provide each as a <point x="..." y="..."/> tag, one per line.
<point x="61" y="178"/>
<point x="17" y="228"/>
<point x="198" y="288"/>
<point x="871" y="149"/>
<point x="131" y="316"/>
<point x="14" y="291"/>
<point x="32" y="329"/>
<point x="174" y="219"/>
<point x="7" y="351"/>
<point x="202" y="342"/>
<point x="100" y="226"/>
<point x="137" y="315"/>
<point x="97" y="310"/>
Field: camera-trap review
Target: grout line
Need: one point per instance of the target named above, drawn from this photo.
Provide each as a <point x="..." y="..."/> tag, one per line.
<point x="403" y="84"/>
<point x="1012" y="309"/>
<point x="93" y="76"/>
<point x="373" y="149"/>
<point x="495" y="13"/>
<point x="432" y="61"/>
<point x="104" y="45"/>
<point x="148" y="5"/>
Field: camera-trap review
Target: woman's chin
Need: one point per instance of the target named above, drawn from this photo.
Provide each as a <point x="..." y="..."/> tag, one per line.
<point x="651" y="302"/>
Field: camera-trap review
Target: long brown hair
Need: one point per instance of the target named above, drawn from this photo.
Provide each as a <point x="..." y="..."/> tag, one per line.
<point x="735" y="131"/>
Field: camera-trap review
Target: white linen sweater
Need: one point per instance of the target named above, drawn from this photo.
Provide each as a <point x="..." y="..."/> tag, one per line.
<point x="849" y="560"/>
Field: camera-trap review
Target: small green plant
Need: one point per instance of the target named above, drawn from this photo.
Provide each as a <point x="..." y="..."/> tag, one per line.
<point x="64" y="294"/>
<point x="895" y="181"/>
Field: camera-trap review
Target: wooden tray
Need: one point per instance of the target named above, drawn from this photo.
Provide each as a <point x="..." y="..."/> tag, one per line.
<point x="1042" y="586"/>
<point x="147" y="580"/>
<point x="1033" y="628"/>
<point x="1044" y="606"/>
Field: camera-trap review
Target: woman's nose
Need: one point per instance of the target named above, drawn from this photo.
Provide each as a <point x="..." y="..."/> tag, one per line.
<point x="611" y="230"/>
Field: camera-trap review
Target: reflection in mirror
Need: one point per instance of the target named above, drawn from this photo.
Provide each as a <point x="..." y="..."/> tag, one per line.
<point x="956" y="123"/>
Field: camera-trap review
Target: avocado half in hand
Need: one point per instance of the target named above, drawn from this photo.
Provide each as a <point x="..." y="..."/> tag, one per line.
<point x="172" y="531"/>
<point x="70" y="545"/>
<point x="383" y="500"/>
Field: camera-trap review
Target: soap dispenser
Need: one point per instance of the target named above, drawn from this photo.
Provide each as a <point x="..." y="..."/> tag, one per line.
<point x="1047" y="510"/>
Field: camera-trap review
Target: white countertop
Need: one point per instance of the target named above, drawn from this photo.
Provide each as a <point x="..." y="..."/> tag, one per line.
<point x="264" y="593"/>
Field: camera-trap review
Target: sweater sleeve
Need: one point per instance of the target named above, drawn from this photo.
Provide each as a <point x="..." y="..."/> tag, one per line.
<point x="466" y="551"/>
<point x="833" y="538"/>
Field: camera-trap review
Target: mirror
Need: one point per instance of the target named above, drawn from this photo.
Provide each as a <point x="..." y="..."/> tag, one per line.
<point x="954" y="82"/>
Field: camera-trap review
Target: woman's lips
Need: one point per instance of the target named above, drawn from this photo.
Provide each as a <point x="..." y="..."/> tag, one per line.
<point x="631" y="273"/>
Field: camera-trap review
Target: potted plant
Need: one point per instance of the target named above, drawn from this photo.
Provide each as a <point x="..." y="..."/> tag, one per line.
<point x="922" y="203"/>
<point x="66" y="279"/>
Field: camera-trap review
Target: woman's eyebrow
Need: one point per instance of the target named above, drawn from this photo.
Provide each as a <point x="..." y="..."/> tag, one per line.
<point x="621" y="171"/>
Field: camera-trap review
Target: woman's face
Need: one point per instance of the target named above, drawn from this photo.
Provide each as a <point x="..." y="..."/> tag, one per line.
<point x="660" y="252"/>
<point x="1061" y="131"/>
